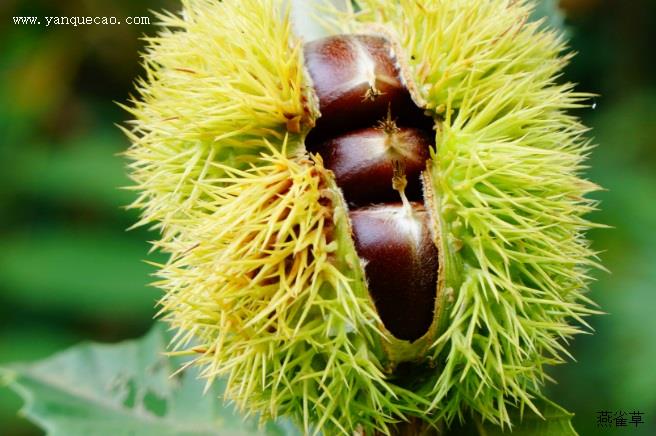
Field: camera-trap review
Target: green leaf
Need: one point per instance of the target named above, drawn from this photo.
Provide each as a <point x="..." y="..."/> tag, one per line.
<point x="20" y="342"/>
<point x="126" y="389"/>
<point x="555" y="421"/>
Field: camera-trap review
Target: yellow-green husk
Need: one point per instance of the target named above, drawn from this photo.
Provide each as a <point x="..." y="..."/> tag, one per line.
<point x="263" y="282"/>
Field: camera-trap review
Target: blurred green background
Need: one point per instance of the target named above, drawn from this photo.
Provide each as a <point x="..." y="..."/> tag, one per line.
<point x="69" y="271"/>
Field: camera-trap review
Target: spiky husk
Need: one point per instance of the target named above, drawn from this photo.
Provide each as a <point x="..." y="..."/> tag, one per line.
<point x="218" y="79"/>
<point x="508" y="193"/>
<point x="271" y="306"/>
<point x="264" y="283"/>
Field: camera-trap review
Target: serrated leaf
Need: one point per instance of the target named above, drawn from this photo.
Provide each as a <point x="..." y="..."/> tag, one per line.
<point x="126" y="389"/>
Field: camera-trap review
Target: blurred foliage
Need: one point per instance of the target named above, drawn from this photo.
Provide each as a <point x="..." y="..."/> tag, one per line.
<point x="69" y="270"/>
<point x="614" y="370"/>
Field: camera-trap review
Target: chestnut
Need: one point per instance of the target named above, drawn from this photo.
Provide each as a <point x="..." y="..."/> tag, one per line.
<point x="363" y="162"/>
<point x="400" y="263"/>
<point x="356" y="80"/>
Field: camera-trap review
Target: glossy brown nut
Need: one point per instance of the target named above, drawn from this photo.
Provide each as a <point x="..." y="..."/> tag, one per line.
<point x="356" y="80"/>
<point x="363" y="162"/>
<point x="401" y="263"/>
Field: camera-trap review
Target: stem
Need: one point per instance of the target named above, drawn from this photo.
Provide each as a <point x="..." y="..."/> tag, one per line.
<point x="399" y="183"/>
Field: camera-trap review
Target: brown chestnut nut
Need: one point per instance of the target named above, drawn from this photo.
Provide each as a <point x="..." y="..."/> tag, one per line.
<point x="401" y="263"/>
<point x="363" y="162"/>
<point x="356" y="80"/>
